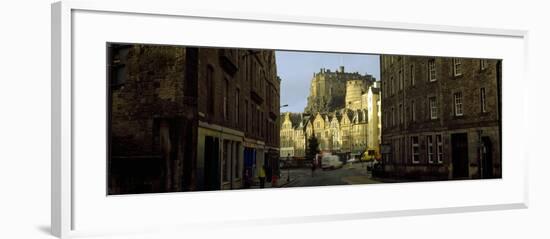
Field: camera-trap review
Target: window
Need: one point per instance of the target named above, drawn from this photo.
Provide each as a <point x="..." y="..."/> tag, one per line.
<point x="237" y="109"/>
<point x="414" y="149"/>
<point x="226" y="100"/>
<point x="433" y="107"/>
<point x="237" y="162"/>
<point x="396" y="153"/>
<point x="482" y="64"/>
<point x="259" y="121"/>
<point x="119" y="57"/>
<point x="458" y="104"/>
<point x="210" y="85"/>
<point x="412" y="75"/>
<point x="392" y="116"/>
<point x="252" y="119"/>
<point x="401" y="78"/>
<point x="385" y="120"/>
<point x="246" y="115"/>
<point x="400" y="114"/>
<point x="439" y="142"/>
<point x="391" y="85"/>
<point x="482" y="100"/>
<point x="262" y="79"/>
<point x="457" y="66"/>
<point x="430" y="148"/>
<point x="413" y="111"/>
<point x="226" y="157"/>
<point x="431" y="70"/>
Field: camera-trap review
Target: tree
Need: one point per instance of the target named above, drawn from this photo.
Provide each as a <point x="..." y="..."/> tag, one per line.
<point x="312" y="147"/>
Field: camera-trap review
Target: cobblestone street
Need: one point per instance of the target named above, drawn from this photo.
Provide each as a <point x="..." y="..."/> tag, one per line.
<point x="348" y="174"/>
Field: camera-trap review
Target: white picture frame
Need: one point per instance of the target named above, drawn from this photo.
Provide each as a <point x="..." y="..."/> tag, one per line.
<point x="74" y="211"/>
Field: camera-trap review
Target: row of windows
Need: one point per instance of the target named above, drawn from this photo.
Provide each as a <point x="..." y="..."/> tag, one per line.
<point x="393" y="118"/>
<point x="433" y="150"/>
<point x="255" y="121"/>
<point x="231" y="166"/>
<point x="391" y="87"/>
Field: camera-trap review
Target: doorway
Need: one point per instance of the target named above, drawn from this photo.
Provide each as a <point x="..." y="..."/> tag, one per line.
<point x="486" y="157"/>
<point x="211" y="163"/>
<point x="459" y="144"/>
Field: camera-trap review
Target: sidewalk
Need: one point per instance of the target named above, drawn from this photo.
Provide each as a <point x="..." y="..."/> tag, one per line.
<point x="359" y="180"/>
<point x="280" y="183"/>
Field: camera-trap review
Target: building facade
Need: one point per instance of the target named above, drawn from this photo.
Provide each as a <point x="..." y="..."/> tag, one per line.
<point x="340" y="127"/>
<point x="441" y="117"/>
<point x="201" y="118"/>
<point x="374" y="127"/>
<point x="153" y="118"/>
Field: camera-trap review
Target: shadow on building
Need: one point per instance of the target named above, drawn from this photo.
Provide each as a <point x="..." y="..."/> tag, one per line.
<point x="189" y="119"/>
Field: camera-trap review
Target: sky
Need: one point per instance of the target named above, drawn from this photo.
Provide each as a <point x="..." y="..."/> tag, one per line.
<point x="296" y="71"/>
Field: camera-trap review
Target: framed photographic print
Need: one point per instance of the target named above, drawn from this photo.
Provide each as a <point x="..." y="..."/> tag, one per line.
<point x="167" y="117"/>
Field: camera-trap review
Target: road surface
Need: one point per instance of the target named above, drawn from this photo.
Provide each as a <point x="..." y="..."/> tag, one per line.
<point x="348" y="174"/>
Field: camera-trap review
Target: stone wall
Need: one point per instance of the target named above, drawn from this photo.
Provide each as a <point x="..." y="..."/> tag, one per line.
<point x="407" y="90"/>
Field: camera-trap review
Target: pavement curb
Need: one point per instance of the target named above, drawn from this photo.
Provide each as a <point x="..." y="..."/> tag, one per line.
<point x="286" y="183"/>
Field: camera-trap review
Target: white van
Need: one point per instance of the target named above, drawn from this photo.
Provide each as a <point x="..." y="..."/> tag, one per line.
<point x="331" y="162"/>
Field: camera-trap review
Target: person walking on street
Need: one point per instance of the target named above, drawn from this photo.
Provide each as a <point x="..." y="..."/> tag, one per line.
<point x="313" y="166"/>
<point x="261" y="176"/>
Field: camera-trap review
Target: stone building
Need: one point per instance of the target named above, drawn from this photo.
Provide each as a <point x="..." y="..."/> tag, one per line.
<point x="319" y="128"/>
<point x="153" y="118"/>
<point x="355" y="89"/>
<point x="238" y="115"/>
<point x="338" y="127"/>
<point x="441" y="117"/>
<point x="189" y="119"/>
<point x="300" y="139"/>
<point x="290" y="122"/>
<point x="345" y="131"/>
<point x="358" y="132"/>
<point x="374" y="128"/>
<point x="335" y="137"/>
<point x="328" y="89"/>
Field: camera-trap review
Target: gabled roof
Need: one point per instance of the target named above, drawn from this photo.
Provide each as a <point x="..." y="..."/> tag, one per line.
<point x="306" y="120"/>
<point x="347" y="113"/>
<point x="360" y="115"/>
<point x="336" y="115"/>
<point x="295" y="118"/>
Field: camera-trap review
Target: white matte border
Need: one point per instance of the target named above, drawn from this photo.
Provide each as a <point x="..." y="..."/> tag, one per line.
<point x="78" y="119"/>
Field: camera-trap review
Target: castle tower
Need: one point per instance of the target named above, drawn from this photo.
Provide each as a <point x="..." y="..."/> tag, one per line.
<point x="329" y="89"/>
<point x="354" y="90"/>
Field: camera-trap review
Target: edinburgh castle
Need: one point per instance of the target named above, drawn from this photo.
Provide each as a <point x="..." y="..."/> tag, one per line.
<point x="342" y="112"/>
<point x="332" y="90"/>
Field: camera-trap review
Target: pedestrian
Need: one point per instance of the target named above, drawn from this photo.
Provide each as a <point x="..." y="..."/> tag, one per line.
<point x="261" y="176"/>
<point x="313" y="166"/>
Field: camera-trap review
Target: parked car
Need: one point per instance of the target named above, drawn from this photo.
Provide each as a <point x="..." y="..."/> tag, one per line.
<point x="331" y="162"/>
